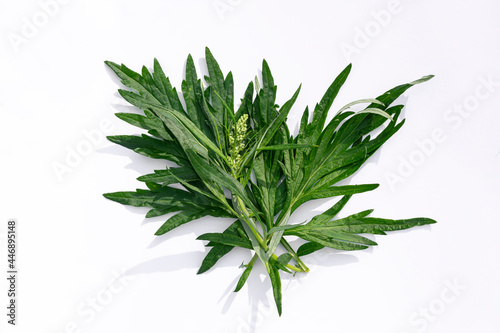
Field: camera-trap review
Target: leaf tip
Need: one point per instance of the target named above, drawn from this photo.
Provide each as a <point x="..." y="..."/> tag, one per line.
<point x="209" y="55"/>
<point x="112" y="65"/>
<point x="347" y="69"/>
<point x="190" y="60"/>
<point x="422" y="79"/>
<point x="112" y="138"/>
<point x="429" y="221"/>
<point x="159" y="232"/>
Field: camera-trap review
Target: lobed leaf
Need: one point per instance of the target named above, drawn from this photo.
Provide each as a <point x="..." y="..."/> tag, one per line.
<point x="288" y="170"/>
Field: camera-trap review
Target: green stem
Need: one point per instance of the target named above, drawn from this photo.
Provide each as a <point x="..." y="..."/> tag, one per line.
<point x="251" y="225"/>
<point x="283" y="220"/>
<point x="293" y="268"/>
<point x="294" y="254"/>
<point x="252" y="261"/>
<point x="246" y="218"/>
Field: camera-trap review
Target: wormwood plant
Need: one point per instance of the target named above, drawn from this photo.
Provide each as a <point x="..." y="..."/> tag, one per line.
<point x="245" y="164"/>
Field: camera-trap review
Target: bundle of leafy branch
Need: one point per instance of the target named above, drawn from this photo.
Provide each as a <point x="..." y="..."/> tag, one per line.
<point x="246" y="165"/>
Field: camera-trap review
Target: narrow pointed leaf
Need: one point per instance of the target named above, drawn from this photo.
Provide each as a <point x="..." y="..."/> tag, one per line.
<point x="218" y="250"/>
<point x="226" y="239"/>
<point x="180" y="219"/>
<point x="274" y="274"/>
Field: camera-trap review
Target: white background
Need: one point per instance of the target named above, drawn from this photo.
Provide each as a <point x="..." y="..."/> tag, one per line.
<point x="91" y="265"/>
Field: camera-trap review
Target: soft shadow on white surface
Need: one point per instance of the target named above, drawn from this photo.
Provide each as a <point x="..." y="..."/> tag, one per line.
<point x="229" y="295"/>
<point x="112" y="76"/>
<point x="259" y="286"/>
<point x="158" y="240"/>
<point x="139" y="163"/>
<point x="169" y="263"/>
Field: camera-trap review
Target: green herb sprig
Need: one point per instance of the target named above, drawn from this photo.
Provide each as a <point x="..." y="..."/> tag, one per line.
<point x="250" y="153"/>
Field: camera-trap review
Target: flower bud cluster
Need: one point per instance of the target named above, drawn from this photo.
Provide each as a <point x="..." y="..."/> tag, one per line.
<point x="236" y="143"/>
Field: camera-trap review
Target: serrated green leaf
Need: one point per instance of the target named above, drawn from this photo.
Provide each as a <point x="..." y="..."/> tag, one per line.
<point x="151" y="124"/>
<point x="282" y="228"/>
<point x="159" y="211"/>
<point x="144" y="198"/>
<point x="333" y="191"/>
<point x="170" y="176"/>
<point x="218" y="250"/>
<point x="289" y="170"/>
<point x="226" y="239"/>
<point x="133" y="80"/>
<point x="341" y="234"/>
<point x="321" y="109"/>
<point x="330" y="213"/>
<point x="163" y="83"/>
<point x="182" y="218"/>
<point x="150" y="147"/>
